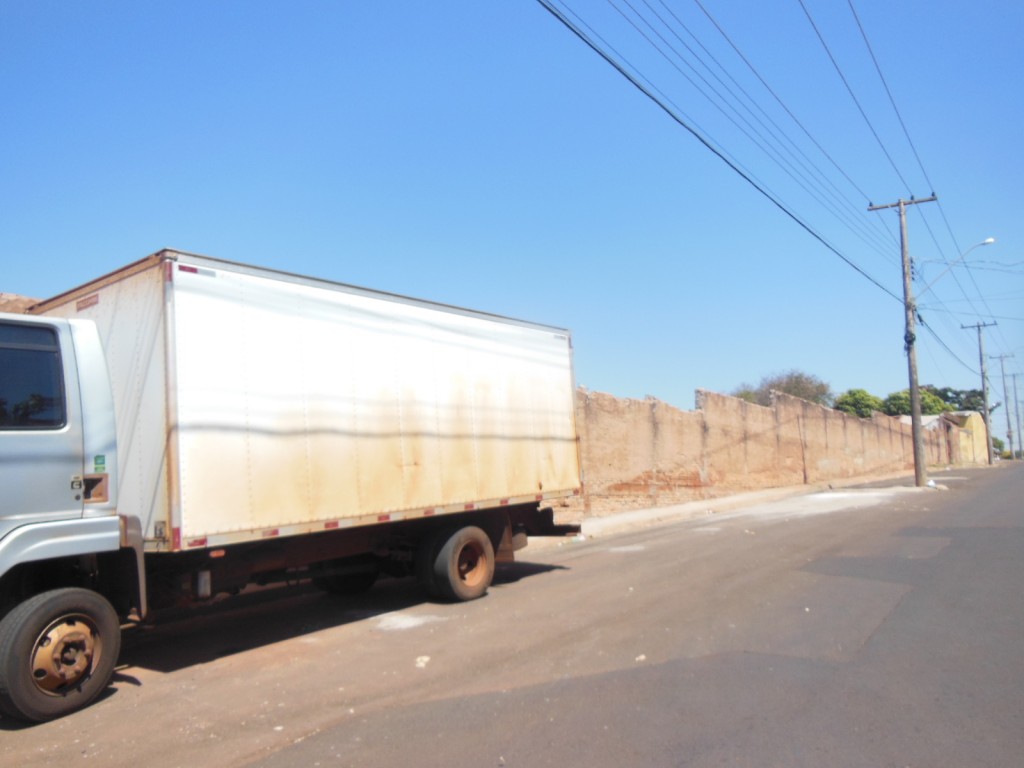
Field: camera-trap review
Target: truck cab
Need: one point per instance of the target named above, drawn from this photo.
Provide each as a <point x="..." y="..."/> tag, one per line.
<point x="58" y="452"/>
<point x="58" y="519"/>
<point x="42" y="460"/>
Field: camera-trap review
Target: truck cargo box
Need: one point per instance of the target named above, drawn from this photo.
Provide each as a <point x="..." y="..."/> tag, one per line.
<point x="252" y="403"/>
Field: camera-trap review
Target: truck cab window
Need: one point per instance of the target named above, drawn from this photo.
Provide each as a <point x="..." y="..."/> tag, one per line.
<point x="31" y="389"/>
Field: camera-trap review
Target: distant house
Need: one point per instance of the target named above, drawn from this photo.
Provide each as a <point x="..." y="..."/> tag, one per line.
<point x="966" y="436"/>
<point x="11" y="302"/>
<point x="973" y="436"/>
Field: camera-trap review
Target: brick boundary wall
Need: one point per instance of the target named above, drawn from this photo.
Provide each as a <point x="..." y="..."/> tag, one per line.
<point x="647" y="453"/>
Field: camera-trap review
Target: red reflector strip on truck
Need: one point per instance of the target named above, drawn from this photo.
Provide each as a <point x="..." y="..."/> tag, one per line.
<point x="88" y="301"/>
<point x="196" y="270"/>
<point x="218" y="540"/>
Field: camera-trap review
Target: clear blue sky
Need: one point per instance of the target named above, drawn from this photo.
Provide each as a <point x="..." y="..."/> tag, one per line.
<point x="479" y="154"/>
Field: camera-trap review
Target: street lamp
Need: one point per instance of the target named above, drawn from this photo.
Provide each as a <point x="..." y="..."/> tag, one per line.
<point x="954" y="262"/>
<point x="981" y="343"/>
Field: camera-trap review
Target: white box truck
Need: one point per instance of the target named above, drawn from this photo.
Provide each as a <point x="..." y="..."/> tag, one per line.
<point x="185" y="426"/>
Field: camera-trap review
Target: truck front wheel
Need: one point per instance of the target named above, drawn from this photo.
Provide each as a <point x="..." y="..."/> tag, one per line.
<point x="460" y="564"/>
<point x="57" y="653"/>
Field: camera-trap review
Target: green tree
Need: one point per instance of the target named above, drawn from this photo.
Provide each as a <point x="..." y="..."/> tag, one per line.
<point x="960" y="399"/>
<point x="898" y="403"/>
<point x="794" y="382"/>
<point x="858" y="402"/>
<point x="747" y="392"/>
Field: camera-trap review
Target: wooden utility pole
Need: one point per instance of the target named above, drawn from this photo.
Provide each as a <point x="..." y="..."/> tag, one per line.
<point x="1016" y="407"/>
<point x="984" y="384"/>
<point x="1006" y="401"/>
<point x="909" y="336"/>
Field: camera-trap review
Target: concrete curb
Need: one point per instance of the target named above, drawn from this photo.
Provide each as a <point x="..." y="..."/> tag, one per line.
<point x="621" y="522"/>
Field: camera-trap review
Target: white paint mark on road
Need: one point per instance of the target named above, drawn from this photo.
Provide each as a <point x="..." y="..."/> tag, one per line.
<point x="848" y="495"/>
<point x="396" y="622"/>
<point x="630" y="548"/>
<point x="819" y="504"/>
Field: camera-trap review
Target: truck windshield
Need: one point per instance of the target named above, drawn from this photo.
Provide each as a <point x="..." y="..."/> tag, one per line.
<point x="31" y="391"/>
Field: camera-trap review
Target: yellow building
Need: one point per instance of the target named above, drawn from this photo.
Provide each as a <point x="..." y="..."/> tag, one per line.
<point x="973" y="436"/>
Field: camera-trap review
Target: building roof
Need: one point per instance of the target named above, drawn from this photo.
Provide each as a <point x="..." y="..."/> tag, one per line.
<point x="12" y="302"/>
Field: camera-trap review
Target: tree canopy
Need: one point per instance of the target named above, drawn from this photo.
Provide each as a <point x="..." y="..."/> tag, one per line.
<point x="898" y="403"/>
<point x="858" y="402"/>
<point x="961" y="399"/>
<point x="794" y="382"/>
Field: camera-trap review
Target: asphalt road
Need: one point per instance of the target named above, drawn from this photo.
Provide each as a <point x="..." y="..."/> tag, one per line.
<point x="865" y="627"/>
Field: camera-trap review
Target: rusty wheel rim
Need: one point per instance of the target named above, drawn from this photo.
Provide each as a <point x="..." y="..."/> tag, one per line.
<point x="472" y="564"/>
<point x="64" y="654"/>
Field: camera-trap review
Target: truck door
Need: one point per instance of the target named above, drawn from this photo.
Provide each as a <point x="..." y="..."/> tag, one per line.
<point x="41" y="449"/>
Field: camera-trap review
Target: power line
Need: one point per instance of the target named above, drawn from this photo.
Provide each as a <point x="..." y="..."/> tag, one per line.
<point x="888" y="93"/>
<point x="971" y="314"/>
<point x="651" y="88"/>
<point x="762" y="139"/>
<point x="579" y="33"/>
<point x="945" y="346"/>
<point x="853" y="96"/>
<point x="924" y="172"/>
<point x="780" y="102"/>
<point x="1006" y="264"/>
<point x="773" y="132"/>
<point x="663" y="32"/>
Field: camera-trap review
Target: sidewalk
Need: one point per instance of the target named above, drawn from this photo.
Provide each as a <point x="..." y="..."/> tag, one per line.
<point x="641" y="518"/>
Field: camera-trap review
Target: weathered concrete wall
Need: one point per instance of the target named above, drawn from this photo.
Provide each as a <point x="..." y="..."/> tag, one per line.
<point x="639" y="452"/>
<point x="642" y="453"/>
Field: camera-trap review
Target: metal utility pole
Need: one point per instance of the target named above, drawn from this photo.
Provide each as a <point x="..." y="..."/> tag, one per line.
<point x="984" y="384"/>
<point x="910" y="312"/>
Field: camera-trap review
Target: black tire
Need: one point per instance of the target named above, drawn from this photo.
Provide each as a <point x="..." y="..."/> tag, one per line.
<point x="426" y="554"/>
<point x="463" y="567"/>
<point x="57" y="653"/>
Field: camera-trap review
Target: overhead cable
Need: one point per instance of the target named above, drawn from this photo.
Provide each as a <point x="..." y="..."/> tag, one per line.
<point x="634" y="80"/>
<point x="764" y="138"/>
<point x="853" y="96"/>
<point x="780" y="102"/>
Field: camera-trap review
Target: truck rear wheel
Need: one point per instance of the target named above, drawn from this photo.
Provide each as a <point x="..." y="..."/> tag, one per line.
<point x="57" y="653"/>
<point x="461" y="564"/>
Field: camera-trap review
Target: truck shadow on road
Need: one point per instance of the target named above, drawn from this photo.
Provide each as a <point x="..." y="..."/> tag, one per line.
<point x="265" y="616"/>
